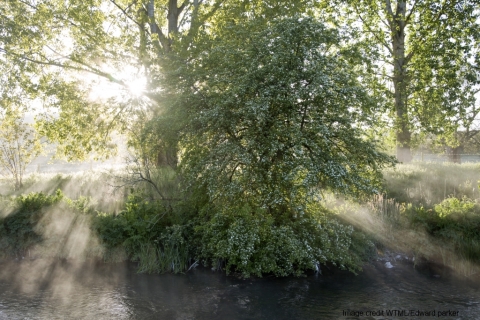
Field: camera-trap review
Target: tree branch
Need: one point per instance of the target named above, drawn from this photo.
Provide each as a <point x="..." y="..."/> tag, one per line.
<point x="184" y="4"/>
<point x="381" y="41"/>
<point x="125" y="11"/>
<point x="407" y="19"/>
<point x="89" y="69"/>
<point x="388" y="7"/>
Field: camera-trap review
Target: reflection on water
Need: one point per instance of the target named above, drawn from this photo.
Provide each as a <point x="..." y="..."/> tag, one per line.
<point x="46" y="290"/>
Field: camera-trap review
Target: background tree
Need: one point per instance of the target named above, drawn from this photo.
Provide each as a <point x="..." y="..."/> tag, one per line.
<point x="19" y="144"/>
<point x="417" y="48"/>
<point x="464" y="126"/>
<point x="53" y="44"/>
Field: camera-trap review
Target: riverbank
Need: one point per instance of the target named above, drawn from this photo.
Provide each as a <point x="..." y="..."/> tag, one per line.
<point x="428" y="214"/>
<point x="11" y="267"/>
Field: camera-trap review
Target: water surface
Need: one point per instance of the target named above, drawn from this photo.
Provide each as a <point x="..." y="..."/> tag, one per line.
<point x="57" y="290"/>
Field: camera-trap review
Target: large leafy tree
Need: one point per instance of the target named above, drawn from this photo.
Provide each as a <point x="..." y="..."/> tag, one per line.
<point x="421" y="48"/>
<point x="55" y="45"/>
<point x="277" y="115"/>
<point x="60" y="50"/>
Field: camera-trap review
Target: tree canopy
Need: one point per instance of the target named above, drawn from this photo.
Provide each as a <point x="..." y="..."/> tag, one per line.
<point x="280" y="118"/>
<point x="54" y="46"/>
<point x="423" y="53"/>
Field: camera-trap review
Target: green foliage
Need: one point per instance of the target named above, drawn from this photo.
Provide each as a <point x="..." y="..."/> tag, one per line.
<point x="82" y="204"/>
<point x="35" y="201"/>
<point x="254" y="243"/>
<point x="432" y="80"/>
<point x="133" y="46"/>
<point x="33" y="36"/>
<point x="81" y="127"/>
<point x="110" y="229"/>
<point x="363" y="246"/>
<point x="144" y="229"/>
<point x="277" y="117"/>
<point x="19" y="142"/>
<point x="19" y="226"/>
<point x="169" y="252"/>
<point x="267" y="128"/>
<point x="456" y="207"/>
<point x="134" y="226"/>
<point x="19" y="231"/>
<point x="456" y="222"/>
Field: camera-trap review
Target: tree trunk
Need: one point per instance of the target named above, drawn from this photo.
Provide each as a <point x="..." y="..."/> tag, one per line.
<point x="167" y="156"/>
<point x="403" y="133"/>
<point x="454" y="154"/>
<point x="172" y="16"/>
<point x="18" y="182"/>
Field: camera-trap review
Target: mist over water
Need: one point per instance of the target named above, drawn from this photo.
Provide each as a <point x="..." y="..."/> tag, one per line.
<point x="63" y="290"/>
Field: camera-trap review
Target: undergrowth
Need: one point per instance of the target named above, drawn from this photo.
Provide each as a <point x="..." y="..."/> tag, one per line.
<point x="426" y="209"/>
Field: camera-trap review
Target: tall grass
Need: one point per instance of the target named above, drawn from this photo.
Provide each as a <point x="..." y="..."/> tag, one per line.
<point x="99" y="186"/>
<point x="155" y="259"/>
<point x="433" y="211"/>
<point x="428" y="184"/>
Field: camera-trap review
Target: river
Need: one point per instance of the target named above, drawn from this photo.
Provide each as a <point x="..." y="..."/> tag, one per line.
<point x="43" y="289"/>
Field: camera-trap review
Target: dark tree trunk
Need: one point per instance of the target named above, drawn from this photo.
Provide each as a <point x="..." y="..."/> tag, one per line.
<point x="173" y="13"/>
<point x="403" y="133"/>
<point x="167" y="156"/>
<point x="454" y="154"/>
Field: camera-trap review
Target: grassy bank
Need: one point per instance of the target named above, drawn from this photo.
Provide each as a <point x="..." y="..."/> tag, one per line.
<point x="78" y="217"/>
<point x="428" y="211"/>
<point x="432" y="212"/>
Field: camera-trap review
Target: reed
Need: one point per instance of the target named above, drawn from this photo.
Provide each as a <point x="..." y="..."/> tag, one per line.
<point x="155" y="259"/>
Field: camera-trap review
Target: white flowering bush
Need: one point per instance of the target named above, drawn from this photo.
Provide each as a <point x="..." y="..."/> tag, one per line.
<point x="276" y="116"/>
<point x="255" y="243"/>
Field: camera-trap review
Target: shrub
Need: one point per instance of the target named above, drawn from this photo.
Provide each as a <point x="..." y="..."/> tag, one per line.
<point x="36" y="200"/>
<point x="456" y="222"/>
<point x="18" y="228"/>
<point x="138" y="223"/>
<point x="456" y="208"/>
<point x="254" y="243"/>
<point x="145" y="231"/>
<point x="111" y="229"/>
